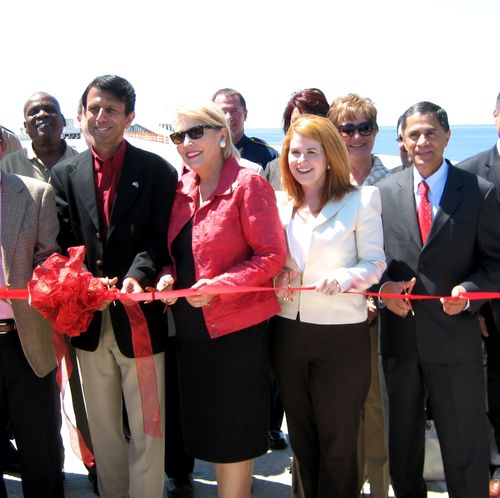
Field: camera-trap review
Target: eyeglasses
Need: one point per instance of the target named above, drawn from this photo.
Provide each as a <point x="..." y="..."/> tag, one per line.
<point x="364" y="129"/>
<point x="194" y="133"/>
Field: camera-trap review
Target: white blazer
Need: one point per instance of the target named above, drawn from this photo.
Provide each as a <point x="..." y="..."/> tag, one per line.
<point x="348" y="241"/>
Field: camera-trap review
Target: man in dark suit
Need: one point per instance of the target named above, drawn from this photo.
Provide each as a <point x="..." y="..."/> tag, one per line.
<point x="115" y="199"/>
<point x="442" y="238"/>
<point x="487" y="165"/>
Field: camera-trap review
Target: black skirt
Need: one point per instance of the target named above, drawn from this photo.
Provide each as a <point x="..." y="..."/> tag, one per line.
<point x="223" y="382"/>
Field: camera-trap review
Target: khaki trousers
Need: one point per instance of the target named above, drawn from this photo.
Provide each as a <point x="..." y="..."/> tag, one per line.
<point x="124" y="469"/>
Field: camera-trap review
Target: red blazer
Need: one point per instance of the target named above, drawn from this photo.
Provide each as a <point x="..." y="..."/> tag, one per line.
<point x="237" y="240"/>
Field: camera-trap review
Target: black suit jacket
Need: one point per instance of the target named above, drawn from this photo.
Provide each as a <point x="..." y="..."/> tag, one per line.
<point x="463" y="248"/>
<point x="487" y="165"/>
<point x="136" y="242"/>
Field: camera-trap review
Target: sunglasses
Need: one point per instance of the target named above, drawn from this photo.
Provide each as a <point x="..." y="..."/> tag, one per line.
<point x="194" y="133"/>
<point x="364" y="129"/>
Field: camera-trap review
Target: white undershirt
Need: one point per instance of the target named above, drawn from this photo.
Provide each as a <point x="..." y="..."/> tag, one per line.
<point x="300" y="239"/>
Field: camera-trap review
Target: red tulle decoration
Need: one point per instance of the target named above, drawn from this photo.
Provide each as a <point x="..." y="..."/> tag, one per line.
<point x="65" y="293"/>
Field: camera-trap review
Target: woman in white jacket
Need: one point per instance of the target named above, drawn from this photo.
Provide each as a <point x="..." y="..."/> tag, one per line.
<point x="320" y="344"/>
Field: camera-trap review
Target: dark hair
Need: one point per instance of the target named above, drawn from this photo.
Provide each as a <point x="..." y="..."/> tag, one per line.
<point x="425" y="107"/>
<point x="400" y="120"/>
<point x="230" y="92"/>
<point x="399" y="136"/>
<point x="116" y="85"/>
<point x="307" y="101"/>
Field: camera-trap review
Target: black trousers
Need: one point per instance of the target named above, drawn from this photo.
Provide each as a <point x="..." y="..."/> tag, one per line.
<point x="33" y="405"/>
<point x="492" y="345"/>
<point x="277" y="411"/>
<point x="177" y="462"/>
<point x="323" y="373"/>
<point x="456" y="396"/>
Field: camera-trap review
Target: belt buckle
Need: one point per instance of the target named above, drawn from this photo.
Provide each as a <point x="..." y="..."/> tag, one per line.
<point x="7" y="326"/>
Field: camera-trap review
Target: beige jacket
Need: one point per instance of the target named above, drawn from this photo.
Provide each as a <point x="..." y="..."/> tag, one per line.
<point x="29" y="229"/>
<point x="347" y="241"/>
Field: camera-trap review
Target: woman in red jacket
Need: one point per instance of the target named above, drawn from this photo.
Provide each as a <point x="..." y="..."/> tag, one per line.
<point x="224" y="230"/>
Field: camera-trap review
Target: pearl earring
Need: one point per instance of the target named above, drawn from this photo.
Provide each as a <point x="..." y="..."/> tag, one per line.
<point x="222" y="143"/>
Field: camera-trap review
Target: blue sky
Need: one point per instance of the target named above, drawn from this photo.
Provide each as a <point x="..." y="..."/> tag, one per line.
<point x="396" y="52"/>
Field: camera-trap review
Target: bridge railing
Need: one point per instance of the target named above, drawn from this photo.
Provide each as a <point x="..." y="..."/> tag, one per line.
<point x="148" y="135"/>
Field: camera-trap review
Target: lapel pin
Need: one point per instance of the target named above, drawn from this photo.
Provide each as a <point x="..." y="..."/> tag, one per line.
<point x="135" y="184"/>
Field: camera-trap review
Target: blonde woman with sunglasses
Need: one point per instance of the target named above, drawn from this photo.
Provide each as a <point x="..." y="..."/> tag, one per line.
<point x="224" y="230"/>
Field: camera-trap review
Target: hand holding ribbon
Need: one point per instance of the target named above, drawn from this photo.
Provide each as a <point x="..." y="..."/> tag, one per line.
<point x="166" y="282"/>
<point x="401" y="306"/>
<point x="203" y="299"/>
<point x="455" y="304"/>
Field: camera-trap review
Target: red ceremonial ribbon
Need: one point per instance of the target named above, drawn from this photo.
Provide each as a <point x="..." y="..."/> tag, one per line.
<point x="64" y="372"/>
<point x="64" y="292"/>
<point x="116" y="295"/>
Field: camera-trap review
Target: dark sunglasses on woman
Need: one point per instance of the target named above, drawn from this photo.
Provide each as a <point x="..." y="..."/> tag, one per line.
<point x="364" y="129"/>
<point x="194" y="133"/>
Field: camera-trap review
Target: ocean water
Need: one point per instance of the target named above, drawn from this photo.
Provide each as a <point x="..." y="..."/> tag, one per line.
<point x="466" y="140"/>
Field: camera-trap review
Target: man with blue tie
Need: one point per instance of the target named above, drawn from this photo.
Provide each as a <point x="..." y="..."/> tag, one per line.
<point x="441" y="234"/>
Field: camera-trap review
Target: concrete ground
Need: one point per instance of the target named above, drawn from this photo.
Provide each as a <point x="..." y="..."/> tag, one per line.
<point x="272" y="478"/>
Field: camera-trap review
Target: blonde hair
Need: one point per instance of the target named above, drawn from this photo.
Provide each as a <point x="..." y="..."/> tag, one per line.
<point x="338" y="180"/>
<point x="210" y="114"/>
<point x="349" y="106"/>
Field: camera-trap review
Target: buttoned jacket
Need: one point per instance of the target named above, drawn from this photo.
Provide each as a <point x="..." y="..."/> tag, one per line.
<point x="462" y="248"/>
<point x="29" y="231"/>
<point x="237" y="240"/>
<point x="135" y="244"/>
<point x="346" y="241"/>
<point x="487" y="165"/>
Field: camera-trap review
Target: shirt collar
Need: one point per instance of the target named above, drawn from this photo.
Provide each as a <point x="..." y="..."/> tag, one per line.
<point x="31" y="154"/>
<point x="377" y="171"/>
<point x="115" y="162"/>
<point x="436" y="181"/>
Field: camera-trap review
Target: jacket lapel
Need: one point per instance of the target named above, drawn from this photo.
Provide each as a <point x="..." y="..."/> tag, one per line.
<point x="285" y="206"/>
<point x="450" y="200"/>
<point x="130" y="185"/>
<point x="13" y="211"/>
<point x="83" y="179"/>
<point x="406" y="207"/>
<point x="490" y="169"/>
<point x="331" y="209"/>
